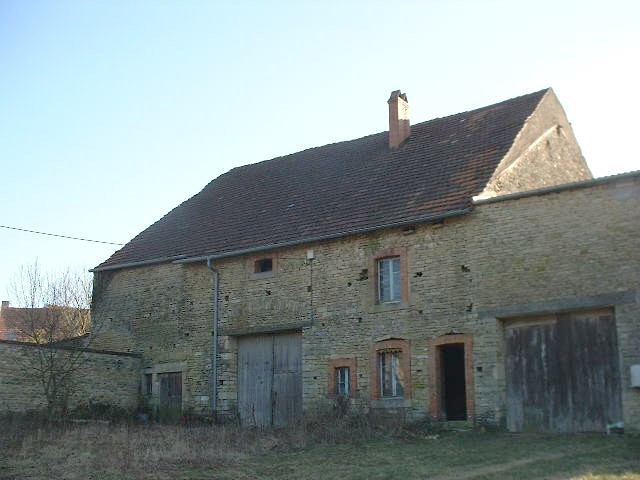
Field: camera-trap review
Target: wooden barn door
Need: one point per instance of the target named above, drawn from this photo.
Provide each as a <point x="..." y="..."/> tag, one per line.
<point x="255" y="376"/>
<point x="170" y="407"/>
<point x="270" y="379"/>
<point x="287" y="379"/>
<point x="563" y="373"/>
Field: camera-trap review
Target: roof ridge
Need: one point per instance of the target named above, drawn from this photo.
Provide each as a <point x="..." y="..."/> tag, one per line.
<point x="385" y="132"/>
<point x="488" y="107"/>
<point x="346" y="186"/>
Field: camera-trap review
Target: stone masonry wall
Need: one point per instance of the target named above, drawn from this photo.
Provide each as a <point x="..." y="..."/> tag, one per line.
<point x="575" y="248"/>
<point x="572" y="249"/>
<point x="163" y="312"/>
<point x="540" y="156"/>
<point x="101" y="378"/>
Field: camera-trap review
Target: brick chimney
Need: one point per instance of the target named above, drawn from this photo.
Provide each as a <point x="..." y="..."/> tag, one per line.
<point x="399" y="126"/>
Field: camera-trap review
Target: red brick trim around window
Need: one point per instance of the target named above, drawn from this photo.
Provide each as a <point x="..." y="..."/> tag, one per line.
<point x="251" y="265"/>
<point x="435" y="373"/>
<point x="394" y="344"/>
<point x="342" y="362"/>
<point x="404" y="274"/>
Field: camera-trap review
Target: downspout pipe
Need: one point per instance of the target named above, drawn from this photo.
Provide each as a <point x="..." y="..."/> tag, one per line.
<point x="214" y="335"/>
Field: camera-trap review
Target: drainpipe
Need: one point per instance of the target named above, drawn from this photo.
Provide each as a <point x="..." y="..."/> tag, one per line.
<point x="214" y="349"/>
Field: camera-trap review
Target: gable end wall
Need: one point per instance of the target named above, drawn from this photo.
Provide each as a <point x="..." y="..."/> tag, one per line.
<point x="544" y="153"/>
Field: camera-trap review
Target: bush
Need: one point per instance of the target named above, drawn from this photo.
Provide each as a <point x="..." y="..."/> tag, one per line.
<point x="100" y="411"/>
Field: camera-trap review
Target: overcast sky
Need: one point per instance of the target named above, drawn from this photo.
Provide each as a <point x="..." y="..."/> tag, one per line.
<point x="113" y="112"/>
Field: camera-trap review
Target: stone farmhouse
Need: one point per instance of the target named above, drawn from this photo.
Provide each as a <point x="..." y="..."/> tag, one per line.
<point x="466" y="268"/>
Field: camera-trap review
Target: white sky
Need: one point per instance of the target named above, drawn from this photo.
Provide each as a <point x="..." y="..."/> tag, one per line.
<point x="114" y="112"/>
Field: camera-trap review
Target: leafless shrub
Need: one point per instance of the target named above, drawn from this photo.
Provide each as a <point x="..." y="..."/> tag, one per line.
<point x="53" y="313"/>
<point x="71" y="450"/>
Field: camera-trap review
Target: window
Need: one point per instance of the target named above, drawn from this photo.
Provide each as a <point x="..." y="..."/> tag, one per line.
<point x="263" y="265"/>
<point x="391" y="381"/>
<point x="342" y="381"/>
<point x="389" y="280"/>
<point x="388" y="286"/>
<point x="390" y="372"/>
<point x="342" y="377"/>
<point x="148" y="384"/>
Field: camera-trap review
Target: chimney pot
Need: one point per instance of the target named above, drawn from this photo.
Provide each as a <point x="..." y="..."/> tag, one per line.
<point x="5" y="303"/>
<point x="399" y="126"/>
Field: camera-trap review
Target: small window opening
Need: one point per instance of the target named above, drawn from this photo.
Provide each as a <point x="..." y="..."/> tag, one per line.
<point x="342" y="381"/>
<point x="148" y="384"/>
<point x="263" y="265"/>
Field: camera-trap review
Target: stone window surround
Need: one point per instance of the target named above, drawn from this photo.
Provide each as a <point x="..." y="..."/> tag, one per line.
<point x="396" y="344"/>
<point x="251" y="265"/>
<point x="334" y="363"/>
<point x="435" y="373"/>
<point x="404" y="279"/>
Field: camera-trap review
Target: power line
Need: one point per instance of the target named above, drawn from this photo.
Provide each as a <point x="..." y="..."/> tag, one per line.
<point x="60" y="236"/>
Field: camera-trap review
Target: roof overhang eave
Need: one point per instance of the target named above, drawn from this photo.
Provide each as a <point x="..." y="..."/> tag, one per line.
<point x="142" y="263"/>
<point x="301" y="241"/>
<point x="180" y="259"/>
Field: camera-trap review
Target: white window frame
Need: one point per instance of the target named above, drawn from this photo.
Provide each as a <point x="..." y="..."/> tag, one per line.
<point x="342" y="381"/>
<point x="395" y="365"/>
<point x="391" y="267"/>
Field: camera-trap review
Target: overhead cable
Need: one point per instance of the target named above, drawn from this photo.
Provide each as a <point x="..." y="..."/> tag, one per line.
<point x="60" y="236"/>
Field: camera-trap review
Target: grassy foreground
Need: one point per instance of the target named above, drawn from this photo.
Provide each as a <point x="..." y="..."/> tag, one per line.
<point x="102" y="451"/>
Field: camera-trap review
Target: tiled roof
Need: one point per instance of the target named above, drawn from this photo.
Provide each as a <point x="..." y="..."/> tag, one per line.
<point x="16" y="322"/>
<point x="339" y="188"/>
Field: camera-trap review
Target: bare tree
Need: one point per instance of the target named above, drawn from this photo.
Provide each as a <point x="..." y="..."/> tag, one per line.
<point x="53" y="315"/>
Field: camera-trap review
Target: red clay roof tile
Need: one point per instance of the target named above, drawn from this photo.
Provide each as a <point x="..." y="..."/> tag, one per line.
<point x="339" y="188"/>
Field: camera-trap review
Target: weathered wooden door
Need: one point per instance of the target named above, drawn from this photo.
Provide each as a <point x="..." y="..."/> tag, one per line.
<point x="270" y="379"/>
<point x="171" y="391"/>
<point x="563" y="372"/>
<point x="287" y="379"/>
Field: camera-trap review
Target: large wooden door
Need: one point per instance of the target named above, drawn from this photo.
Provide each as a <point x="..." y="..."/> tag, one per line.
<point x="563" y="373"/>
<point x="270" y="379"/>
<point x="170" y="393"/>
<point x="255" y="377"/>
<point x="287" y="379"/>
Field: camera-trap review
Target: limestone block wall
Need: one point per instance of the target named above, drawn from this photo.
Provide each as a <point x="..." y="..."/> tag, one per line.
<point x="572" y="249"/>
<point x="569" y="249"/>
<point x="101" y="378"/>
<point x="544" y="153"/>
<point x="164" y="313"/>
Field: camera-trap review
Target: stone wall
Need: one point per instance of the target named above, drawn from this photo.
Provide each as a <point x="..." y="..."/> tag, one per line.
<point x="565" y="250"/>
<point x="544" y="153"/>
<point x="576" y="247"/>
<point x="163" y="312"/>
<point x="102" y="377"/>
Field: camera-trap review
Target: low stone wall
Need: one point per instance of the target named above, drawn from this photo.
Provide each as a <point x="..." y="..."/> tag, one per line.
<point x="101" y="377"/>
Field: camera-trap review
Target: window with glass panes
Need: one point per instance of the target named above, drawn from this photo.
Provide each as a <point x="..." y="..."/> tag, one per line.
<point x="389" y="280"/>
<point x="390" y="374"/>
<point x="342" y="381"/>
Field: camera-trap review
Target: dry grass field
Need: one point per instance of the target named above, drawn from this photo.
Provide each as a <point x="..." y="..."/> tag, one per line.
<point x="337" y="449"/>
